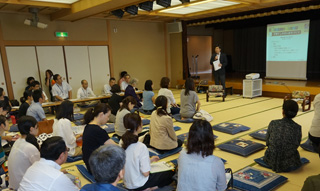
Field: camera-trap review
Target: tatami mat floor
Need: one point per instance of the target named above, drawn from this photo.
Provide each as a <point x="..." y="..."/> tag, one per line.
<point x="255" y="113"/>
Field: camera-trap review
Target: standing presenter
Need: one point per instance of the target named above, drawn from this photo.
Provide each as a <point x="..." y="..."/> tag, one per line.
<point x="219" y="62"/>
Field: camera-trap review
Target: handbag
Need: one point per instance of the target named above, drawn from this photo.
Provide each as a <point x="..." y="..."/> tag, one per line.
<point x="202" y="114"/>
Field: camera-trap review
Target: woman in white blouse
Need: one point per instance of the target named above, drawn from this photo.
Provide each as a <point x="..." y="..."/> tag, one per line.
<point x="24" y="152"/>
<point x="62" y="127"/>
<point x="173" y="107"/>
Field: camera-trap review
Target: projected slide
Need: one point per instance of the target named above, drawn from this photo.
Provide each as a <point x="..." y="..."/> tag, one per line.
<point x="287" y="49"/>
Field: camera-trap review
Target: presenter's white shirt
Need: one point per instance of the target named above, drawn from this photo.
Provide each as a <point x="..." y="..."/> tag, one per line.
<point x="85" y="93"/>
<point x="107" y="89"/>
<point x="45" y="175"/>
<point x="61" y="91"/>
<point x="22" y="155"/>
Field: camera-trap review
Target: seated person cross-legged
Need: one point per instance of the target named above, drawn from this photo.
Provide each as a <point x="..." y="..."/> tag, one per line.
<point x="114" y="102"/>
<point x="164" y="90"/>
<point x="107" y="166"/>
<point x="128" y="104"/>
<point x="137" y="168"/>
<point x="148" y="97"/>
<point x="162" y="135"/>
<point x="93" y="135"/>
<point x="314" y="132"/>
<point x="189" y="100"/>
<point x="199" y="169"/>
<point x="283" y="139"/>
<point x="62" y="127"/>
<point x="35" y="110"/>
<point x="130" y="91"/>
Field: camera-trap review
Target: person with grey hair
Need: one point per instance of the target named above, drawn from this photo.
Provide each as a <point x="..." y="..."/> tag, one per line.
<point x="107" y="166"/>
<point x="130" y="91"/>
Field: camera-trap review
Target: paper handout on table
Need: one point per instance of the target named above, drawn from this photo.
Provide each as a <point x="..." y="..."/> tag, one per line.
<point x="216" y="65"/>
<point x="160" y="167"/>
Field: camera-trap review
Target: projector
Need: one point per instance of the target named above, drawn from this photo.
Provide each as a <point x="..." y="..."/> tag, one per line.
<point x="35" y="24"/>
<point x="252" y="76"/>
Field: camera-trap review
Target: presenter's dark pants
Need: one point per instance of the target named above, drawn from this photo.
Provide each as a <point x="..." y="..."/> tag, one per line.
<point x="220" y="79"/>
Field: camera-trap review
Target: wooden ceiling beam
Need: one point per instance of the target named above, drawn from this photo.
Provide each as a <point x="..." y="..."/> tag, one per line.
<point x="36" y="3"/>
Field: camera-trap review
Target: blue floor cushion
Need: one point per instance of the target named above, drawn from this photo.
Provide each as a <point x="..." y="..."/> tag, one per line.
<point x="78" y="122"/>
<point x="254" y="179"/>
<point x="241" y="147"/>
<point x="161" y="155"/>
<point x="177" y="117"/>
<point x="230" y="128"/>
<point x="306" y="146"/>
<point x="261" y="134"/>
<point x="261" y="162"/>
<point x="14" y="128"/>
<point x="83" y="170"/>
<point x="176" y="128"/>
<point x="74" y="159"/>
<point x="144" y="112"/>
<point x="77" y="116"/>
<point x="145" y="122"/>
<point x="109" y="128"/>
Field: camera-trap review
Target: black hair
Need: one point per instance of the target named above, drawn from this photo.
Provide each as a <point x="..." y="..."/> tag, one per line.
<point x="52" y="148"/>
<point x="26" y="94"/>
<point x="115" y="89"/>
<point x="24" y="125"/>
<point x="65" y="110"/>
<point x="161" y="105"/>
<point x="218" y="45"/>
<point x="126" y="101"/>
<point x="1" y="91"/>
<point x="36" y="94"/>
<point x="148" y="85"/>
<point x="94" y="112"/>
<point x="200" y="139"/>
<point x="55" y="77"/>
<point x="3" y="120"/>
<point x="112" y="78"/>
<point x="34" y="83"/>
<point x="189" y="85"/>
<point x="50" y="72"/>
<point x="5" y="105"/>
<point x="290" y="108"/>
<point x="123" y="73"/>
<point x="29" y="79"/>
<point x="131" y="121"/>
<point x="164" y="82"/>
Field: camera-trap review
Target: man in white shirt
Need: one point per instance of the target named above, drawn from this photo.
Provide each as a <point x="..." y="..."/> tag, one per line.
<point x="125" y="83"/>
<point x="107" y="87"/>
<point x="85" y="91"/>
<point x="45" y="175"/>
<point x="61" y="90"/>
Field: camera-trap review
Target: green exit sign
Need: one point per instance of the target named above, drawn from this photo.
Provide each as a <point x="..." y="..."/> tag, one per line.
<point x="61" y="34"/>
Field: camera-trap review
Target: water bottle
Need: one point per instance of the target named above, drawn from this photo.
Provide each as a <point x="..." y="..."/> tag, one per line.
<point x="77" y="182"/>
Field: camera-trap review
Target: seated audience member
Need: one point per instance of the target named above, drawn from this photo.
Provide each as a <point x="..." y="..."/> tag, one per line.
<point x="25" y="151"/>
<point x="173" y="107"/>
<point x="94" y="136"/>
<point x="189" y="100"/>
<point x="162" y="135"/>
<point x="62" y="127"/>
<point x="312" y="183"/>
<point x="199" y="169"/>
<point x="4" y="108"/>
<point x="61" y="90"/>
<point x="130" y="91"/>
<point x="4" y="126"/>
<point x="49" y="82"/>
<point x="107" y="87"/>
<point x="128" y="104"/>
<point x="107" y="165"/>
<point x="148" y="97"/>
<point x="122" y="78"/>
<point x="125" y="82"/>
<point x="114" y="102"/>
<point x="3" y="97"/>
<point x="85" y="91"/>
<point x="26" y="101"/>
<point x="45" y="174"/>
<point x="137" y="168"/>
<point x="35" y="85"/>
<point x="314" y="132"/>
<point x="29" y="81"/>
<point x="283" y="139"/>
<point x="35" y="110"/>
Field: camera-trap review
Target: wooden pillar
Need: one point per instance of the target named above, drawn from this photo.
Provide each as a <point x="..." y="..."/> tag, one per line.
<point x="185" y="50"/>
